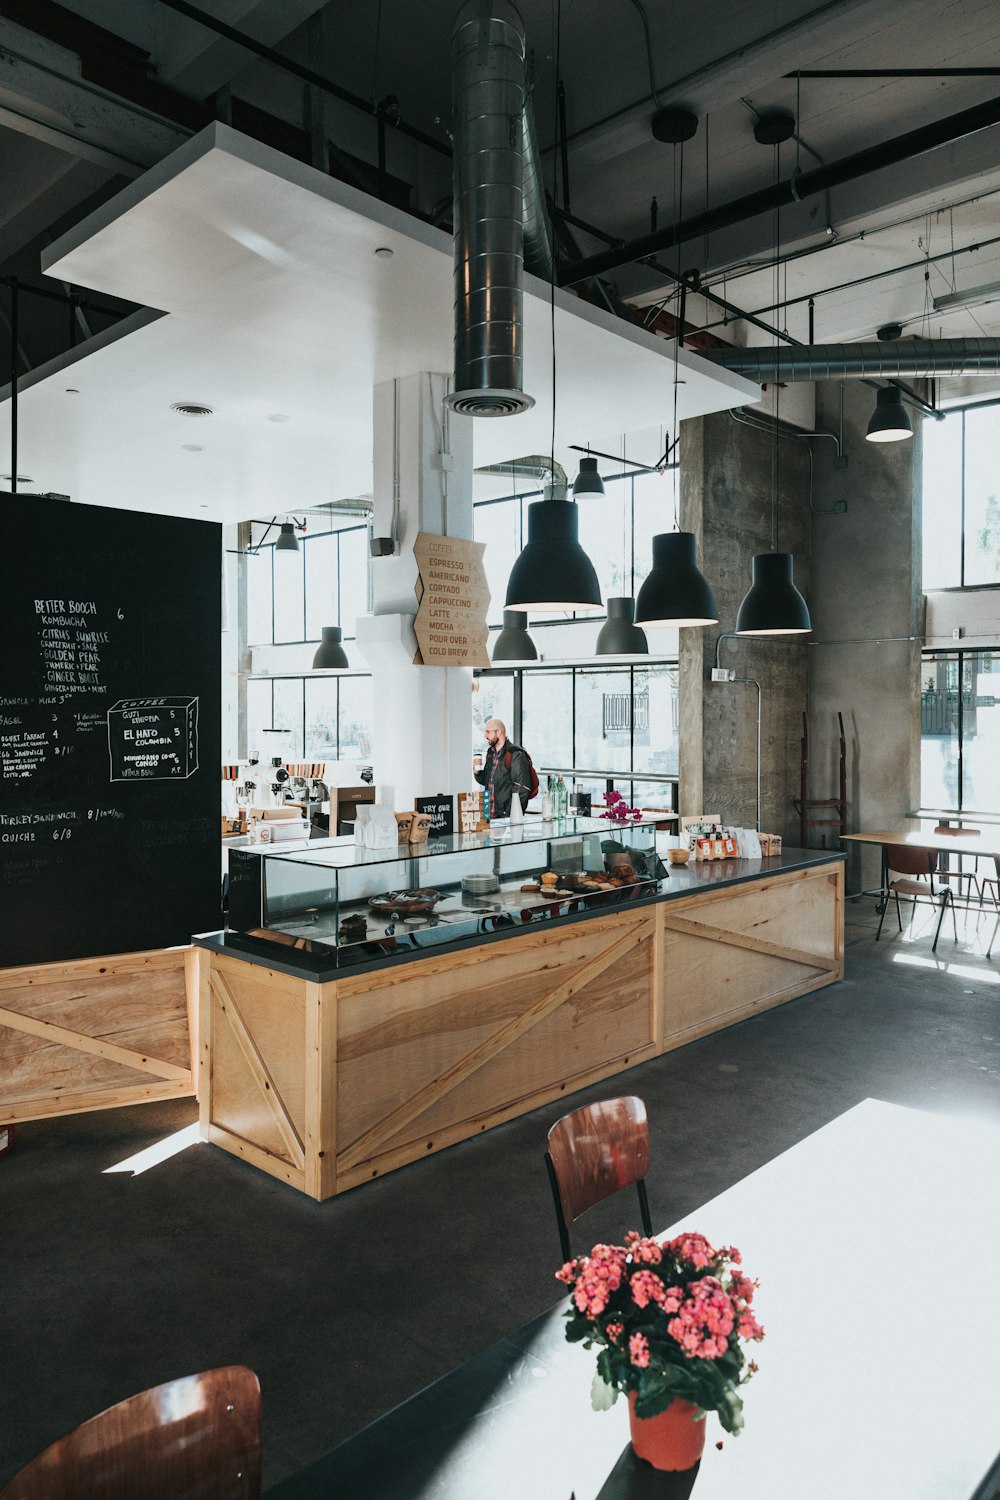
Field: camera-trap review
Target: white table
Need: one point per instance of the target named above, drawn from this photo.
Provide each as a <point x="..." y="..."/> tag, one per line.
<point x="874" y="1241"/>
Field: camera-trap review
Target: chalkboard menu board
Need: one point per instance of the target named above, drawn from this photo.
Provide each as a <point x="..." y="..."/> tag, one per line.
<point x="110" y="685"/>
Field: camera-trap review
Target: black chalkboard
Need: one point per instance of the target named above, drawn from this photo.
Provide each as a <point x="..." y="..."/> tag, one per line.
<point x="110" y="625"/>
<point x="441" y="810"/>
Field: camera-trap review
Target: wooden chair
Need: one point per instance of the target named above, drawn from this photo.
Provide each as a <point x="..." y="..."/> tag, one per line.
<point x="915" y="871"/>
<point x="594" y="1152"/>
<point x="197" y="1438"/>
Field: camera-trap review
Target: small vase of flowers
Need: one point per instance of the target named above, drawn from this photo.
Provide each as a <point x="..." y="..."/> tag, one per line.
<point x="617" y="810"/>
<point x="670" y="1321"/>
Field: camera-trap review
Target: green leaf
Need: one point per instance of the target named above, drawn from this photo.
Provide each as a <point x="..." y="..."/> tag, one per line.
<point x="730" y="1411"/>
<point x="602" y="1395"/>
<point x="658" y="1388"/>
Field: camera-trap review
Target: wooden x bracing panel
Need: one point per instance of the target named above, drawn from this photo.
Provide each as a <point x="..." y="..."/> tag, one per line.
<point x="258" y="1068"/>
<point x="94" y="1033"/>
<point x="369" y="1143"/>
<point x="748" y="941"/>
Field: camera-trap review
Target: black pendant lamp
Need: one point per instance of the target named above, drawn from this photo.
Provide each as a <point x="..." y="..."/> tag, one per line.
<point x="890" y="421"/>
<point x="588" y="481"/>
<point x="773" y="605"/>
<point x="675" y="591"/>
<point x="287" y="540"/>
<point x="514" y="643"/>
<point x="331" y="656"/>
<point x="553" y="573"/>
<point x="620" y="635"/>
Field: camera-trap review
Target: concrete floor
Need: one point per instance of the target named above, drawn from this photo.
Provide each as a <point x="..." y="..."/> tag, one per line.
<point x="112" y="1282"/>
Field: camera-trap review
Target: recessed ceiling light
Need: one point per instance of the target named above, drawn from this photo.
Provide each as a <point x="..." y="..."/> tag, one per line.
<point x="278" y="416"/>
<point x="383" y="252"/>
<point x="192" y="447"/>
<point x="190" y="409"/>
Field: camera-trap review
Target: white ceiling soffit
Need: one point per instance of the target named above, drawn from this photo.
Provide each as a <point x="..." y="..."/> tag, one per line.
<point x="281" y="319"/>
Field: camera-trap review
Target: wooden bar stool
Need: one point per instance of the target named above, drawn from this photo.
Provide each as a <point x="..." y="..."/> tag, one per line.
<point x="594" y="1152"/>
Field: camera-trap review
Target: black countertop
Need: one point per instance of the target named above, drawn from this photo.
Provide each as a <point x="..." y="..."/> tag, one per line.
<point x="683" y="880"/>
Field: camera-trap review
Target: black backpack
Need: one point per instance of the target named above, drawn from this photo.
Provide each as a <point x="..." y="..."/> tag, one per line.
<point x="532" y="773"/>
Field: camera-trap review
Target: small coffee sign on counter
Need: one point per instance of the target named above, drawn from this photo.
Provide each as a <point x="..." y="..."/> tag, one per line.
<point x="450" y="625"/>
<point x="441" y="810"/>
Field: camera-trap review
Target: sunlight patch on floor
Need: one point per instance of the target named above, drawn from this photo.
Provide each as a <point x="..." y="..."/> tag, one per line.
<point x="944" y="966"/>
<point x="159" y="1151"/>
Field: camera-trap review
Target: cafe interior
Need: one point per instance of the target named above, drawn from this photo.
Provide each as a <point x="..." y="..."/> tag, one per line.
<point x="390" y="390"/>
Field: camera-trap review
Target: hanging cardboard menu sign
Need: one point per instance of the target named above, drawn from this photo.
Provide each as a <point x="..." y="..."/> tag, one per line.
<point x="450" y="625"/>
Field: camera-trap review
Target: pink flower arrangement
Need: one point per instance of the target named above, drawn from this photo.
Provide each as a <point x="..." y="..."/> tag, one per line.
<point x="618" y="810"/>
<point x="669" y="1319"/>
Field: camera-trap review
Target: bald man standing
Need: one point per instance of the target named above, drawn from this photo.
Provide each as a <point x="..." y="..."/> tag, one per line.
<point x="503" y="779"/>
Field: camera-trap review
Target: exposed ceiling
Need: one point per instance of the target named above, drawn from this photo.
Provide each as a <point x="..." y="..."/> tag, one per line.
<point x="93" y="94"/>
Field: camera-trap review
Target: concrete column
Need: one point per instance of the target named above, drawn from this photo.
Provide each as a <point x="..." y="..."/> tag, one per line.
<point x="422" y="716"/>
<point x="727" y="487"/>
<point x="867" y="609"/>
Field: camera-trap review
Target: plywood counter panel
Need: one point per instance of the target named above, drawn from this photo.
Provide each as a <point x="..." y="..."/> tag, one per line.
<point x="95" y="1033"/>
<point x="328" y="1084"/>
<point x="731" y="953"/>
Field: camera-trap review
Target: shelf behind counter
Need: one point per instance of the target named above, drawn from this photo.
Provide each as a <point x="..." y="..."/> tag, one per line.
<point x="327" y="1077"/>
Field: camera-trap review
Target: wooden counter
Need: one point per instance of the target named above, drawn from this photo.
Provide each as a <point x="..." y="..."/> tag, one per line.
<point x="94" y="1033"/>
<point x="327" y="1083"/>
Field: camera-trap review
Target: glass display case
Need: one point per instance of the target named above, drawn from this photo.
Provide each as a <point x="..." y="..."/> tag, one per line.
<point x="348" y="905"/>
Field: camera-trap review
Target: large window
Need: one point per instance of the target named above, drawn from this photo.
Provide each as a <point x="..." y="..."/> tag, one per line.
<point x="310" y="718"/>
<point x="292" y="595"/>
<point x="960" y="731"/>
<point x="612" y="723"/>
<point x="616" y="532"/>
<point x="961" y="499"/>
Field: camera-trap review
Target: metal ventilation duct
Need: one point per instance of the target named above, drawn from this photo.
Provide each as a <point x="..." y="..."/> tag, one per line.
<point x="488" y="87"/>
<point x="906" y="358"/>
<point x="537" y="250"/>
<point x="538" y="466"/>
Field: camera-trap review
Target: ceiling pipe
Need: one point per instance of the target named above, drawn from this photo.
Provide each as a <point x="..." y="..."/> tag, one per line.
<point x="298" y="70"/>
<point x="793" y="190"/>
<point x="537" y="249"/>
<point x="902" y="357"/>
<point x="488" y="104"/>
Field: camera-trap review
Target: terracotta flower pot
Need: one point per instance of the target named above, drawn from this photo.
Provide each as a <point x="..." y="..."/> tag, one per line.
<point x="671" y="1440"/>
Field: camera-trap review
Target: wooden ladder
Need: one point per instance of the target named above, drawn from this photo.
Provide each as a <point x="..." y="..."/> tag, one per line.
<point x="835" y="806"/>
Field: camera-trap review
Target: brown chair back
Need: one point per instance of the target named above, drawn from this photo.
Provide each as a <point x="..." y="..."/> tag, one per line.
<point x="904" y="860"/>
<point x="594" y="1152"/>
<point x="197" y="1438"/>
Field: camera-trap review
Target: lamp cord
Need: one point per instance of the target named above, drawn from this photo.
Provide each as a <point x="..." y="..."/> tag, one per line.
<point x="557" y="49"/>
<point x="775" y="445"/>
<point x="13" y="388"/>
